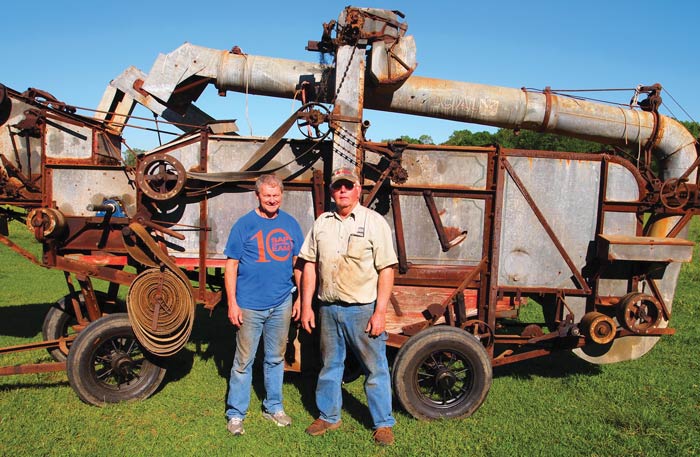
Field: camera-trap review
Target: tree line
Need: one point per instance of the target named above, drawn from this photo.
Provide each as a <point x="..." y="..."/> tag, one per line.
<point x="525" y="139"/>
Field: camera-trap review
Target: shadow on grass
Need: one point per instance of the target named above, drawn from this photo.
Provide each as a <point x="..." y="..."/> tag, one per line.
<point x="33" y="385"/>
<point x="214" y="338"/>
<point x="23" y="321"/>
<point x="557" y="365"/>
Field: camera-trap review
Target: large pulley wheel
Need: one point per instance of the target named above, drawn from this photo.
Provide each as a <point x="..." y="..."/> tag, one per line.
<point x="442" y="372"/>
<point x="311" y="118"/>
<point x="639" y="313"/>
<point x="161" y="311"/>
<point x="160" y="176"/>
<point x="107" y="365"/>
<point x="675" y="193"/>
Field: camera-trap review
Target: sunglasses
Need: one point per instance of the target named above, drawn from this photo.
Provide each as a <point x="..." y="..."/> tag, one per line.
<point x="340" y="184"/>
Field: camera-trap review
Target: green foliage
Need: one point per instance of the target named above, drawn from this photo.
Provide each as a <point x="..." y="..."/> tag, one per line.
<point x="467" y="138"/>
<point x="523" y="139"/>
<point x="130" y="155"/>
<point x="423" y="139"/>
<point x="693" y="128"/>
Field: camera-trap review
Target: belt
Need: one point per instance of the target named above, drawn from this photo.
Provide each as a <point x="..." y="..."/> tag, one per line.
<point x="342" y="303"/>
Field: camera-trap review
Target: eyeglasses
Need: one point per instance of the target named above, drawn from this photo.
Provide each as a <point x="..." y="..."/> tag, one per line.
<point x="340" y="184"/>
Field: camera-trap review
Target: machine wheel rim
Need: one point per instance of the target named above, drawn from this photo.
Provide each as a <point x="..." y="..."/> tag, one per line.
<point x="444" y="379"/>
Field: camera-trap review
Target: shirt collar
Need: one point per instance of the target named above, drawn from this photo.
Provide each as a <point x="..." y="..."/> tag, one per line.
<point x="354" y="214"/>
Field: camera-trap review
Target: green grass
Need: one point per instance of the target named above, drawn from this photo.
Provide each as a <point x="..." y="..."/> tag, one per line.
<point x="557" y="405"/>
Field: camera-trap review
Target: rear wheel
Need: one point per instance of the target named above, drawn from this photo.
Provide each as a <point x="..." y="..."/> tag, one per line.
<point x="107" y="365"/>
<point x="442" y="372"/>
<point x="60" y="321"/>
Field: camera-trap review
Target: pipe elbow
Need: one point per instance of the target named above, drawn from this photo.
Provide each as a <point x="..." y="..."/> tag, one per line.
<point x="674" y="149"/>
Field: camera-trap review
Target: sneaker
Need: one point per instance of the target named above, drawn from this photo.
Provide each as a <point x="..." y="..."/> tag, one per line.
<point x="279" y="418"/>
<point x="383" y="436"/>
<point x="235" y="426"/>
<point x="319" y="427"/>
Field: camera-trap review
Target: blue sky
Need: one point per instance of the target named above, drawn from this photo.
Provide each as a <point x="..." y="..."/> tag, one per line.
<point x="72" y="49"/>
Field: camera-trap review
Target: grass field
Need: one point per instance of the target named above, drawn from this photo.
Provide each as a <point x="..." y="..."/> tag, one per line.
<point x="557" y="405"/>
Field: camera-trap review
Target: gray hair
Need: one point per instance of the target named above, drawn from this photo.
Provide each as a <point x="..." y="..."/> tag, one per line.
<point x="268" y="180"/>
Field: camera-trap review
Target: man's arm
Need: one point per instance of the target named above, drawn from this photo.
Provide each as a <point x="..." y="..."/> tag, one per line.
<point x="230" y="279"/>
<point x="297" y="265"/>
<point x="377" y="323"/>
<point x="308" y="288"/>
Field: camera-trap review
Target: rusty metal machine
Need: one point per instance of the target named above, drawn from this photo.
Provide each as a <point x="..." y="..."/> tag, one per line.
<point x="596" y="240"/>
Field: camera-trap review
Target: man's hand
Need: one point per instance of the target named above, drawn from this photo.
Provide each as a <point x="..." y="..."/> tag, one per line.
<point x="296" y="309"/>
<point x="308" y="318"/>
<point x="376" y="324"/>
<point x="308" y="287"/>
<point x="235" y="315"/>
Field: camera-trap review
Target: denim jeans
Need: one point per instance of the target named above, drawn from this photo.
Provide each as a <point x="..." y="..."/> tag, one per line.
<point x="273" y="324"/>
<point x="342" y="327"/>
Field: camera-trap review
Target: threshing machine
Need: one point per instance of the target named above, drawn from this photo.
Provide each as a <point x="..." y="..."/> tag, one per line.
<point x="596" y="240"/>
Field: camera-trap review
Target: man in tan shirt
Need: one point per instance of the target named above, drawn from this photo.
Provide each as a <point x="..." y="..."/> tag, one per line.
<point x="350" y="251"/>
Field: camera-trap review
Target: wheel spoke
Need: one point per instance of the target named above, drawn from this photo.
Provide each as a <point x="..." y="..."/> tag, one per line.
<point x="133" y="347"/>
<point x="463" y="371"/>
<point x="105" y="373"/>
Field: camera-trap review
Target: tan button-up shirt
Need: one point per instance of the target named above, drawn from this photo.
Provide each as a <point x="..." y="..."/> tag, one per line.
<point x="349" y="254"/>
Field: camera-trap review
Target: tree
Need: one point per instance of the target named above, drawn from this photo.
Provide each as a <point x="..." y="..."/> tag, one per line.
<point x="523" y="139"/>
<point x="693" y="127"/>
<point x="129" y="156"/>
<point x="423" y="139"/>
<point x="467" y="138"/>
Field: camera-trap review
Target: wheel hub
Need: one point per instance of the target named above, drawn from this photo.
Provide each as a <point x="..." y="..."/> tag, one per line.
<point x="122" y="363"/>
<point x="445" y="379"/>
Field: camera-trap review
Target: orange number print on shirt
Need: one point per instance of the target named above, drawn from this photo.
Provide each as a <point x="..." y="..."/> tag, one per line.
<point x="277" y="245"/>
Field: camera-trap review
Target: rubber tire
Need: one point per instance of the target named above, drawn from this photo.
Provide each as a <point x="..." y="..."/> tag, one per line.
<point x="59" y="319"/>
<point x="441" y="340"/>
<point x="57" y="324"/>
<point x="82" y="363"/>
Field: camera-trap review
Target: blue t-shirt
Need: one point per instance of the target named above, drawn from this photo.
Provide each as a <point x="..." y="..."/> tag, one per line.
<point x="264" y="249"/>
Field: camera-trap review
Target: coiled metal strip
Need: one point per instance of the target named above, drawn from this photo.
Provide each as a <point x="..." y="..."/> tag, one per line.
<point x="161" y="311"/>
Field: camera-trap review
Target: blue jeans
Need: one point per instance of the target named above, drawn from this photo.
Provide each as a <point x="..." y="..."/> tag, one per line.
<point x="341" y="327"/>
<point x="273" y="324"/>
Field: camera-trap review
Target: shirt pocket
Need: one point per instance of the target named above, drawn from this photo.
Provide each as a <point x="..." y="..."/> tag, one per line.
<point x="358" y="246"/>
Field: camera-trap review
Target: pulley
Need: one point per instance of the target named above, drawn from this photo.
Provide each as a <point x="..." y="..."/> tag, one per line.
<point x="638" y="312"/>
<point x="598" y="327"/>
<point x="160" y="176"/>
<point x="47" y="223"/>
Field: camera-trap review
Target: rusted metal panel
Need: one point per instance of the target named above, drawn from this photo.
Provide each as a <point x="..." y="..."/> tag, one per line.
<point x="568" y="200"/>
<point x="74" y="188"/>
<point x="67" y="141"/>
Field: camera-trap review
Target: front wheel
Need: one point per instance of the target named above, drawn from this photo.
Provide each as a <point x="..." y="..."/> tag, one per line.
<point x="107" y="365"/>
<point x="442" y="372"/>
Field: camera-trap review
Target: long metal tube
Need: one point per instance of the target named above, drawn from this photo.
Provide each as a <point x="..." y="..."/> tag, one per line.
<point x="460" y="101"/>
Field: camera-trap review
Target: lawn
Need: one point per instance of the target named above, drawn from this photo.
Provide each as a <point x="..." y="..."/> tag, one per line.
<point x="557" y="405"/>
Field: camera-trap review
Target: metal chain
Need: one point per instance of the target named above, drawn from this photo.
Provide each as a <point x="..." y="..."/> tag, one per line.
<point x="350" y="139"/>
<point x="345" y="73"/>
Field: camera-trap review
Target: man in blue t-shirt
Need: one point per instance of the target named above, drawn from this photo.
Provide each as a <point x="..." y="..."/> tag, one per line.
<point x="261" y="251"/>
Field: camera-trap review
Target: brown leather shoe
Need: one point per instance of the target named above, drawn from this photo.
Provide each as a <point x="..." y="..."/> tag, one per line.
<point x="383" y="436"/>
<point x="319" y="427"/>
